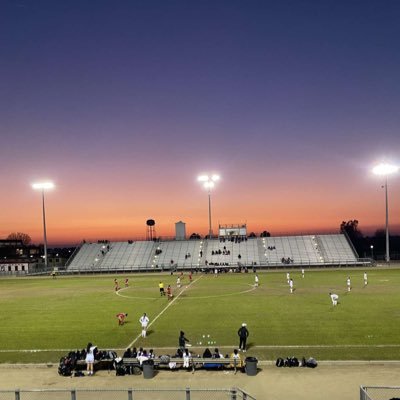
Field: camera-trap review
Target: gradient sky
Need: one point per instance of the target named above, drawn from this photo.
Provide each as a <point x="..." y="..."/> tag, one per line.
<point x="123" y="103"/>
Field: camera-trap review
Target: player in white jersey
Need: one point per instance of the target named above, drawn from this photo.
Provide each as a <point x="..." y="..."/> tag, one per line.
<point x="334" y="298"/>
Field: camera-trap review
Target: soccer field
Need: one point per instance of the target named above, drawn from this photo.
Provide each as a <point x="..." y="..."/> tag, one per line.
<point x="43" y="318"/>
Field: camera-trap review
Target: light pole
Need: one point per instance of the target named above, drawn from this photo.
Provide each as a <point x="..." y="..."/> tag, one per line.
<point x="386" y="170"/>
<point x="43" y="186"/>
<point x="209" y="183"/>
<point x="372" y="251"/>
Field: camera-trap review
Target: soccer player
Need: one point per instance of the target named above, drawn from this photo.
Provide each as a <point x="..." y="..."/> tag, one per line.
<point x="121" y="318"/>
<point x="348" y="281"/>
<point x="365" y="279"/>
<point x="144" y="321"/>
<point x="169" y="292"/>
<point x="256" y="280"/>
<point x="178" y="282"/>
<point x="291" y="285"/>
<point x="190" y="277"/>
<point x="126" y="282"/>
<point x="334" y="298"/>
<point x="302" y="272"/>
<point x="288" y="277"/>
<point x="161" y="286"/>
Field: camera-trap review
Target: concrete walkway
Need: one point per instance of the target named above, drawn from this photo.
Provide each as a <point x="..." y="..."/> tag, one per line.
<point x="327" y="381"/>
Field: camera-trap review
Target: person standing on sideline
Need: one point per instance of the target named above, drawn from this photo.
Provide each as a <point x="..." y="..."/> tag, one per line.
<point x="243" y="334"/>
<point x="161" y="286"/>
<point x="365" y="279"/>
<point x="144" y="321"/>
<point x="302" y="272"/>
<point x="90" y="349"/>
<point x="256" y="280"/>
<point x="288" y="277"/>
<point x="182" y="341"/>
<point x="178" y="282"/>
<point x="348" y="281"/>
<point x="334" y="298"/>
<point x="291" y="285"/>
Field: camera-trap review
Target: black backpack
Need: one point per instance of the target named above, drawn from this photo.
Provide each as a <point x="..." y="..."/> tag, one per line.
<point x="280" y="362"/>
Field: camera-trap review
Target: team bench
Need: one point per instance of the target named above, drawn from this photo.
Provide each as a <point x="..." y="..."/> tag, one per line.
<point x="195" y="363"/>
<point x="107" y="364"/>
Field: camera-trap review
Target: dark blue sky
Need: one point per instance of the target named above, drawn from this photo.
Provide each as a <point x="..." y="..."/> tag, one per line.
<point x="292" y="102"/>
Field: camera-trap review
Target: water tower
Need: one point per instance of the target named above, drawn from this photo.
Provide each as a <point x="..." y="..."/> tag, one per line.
<point x="151" y="230"/>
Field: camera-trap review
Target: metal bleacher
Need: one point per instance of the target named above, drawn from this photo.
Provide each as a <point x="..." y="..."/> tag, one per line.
<point x="279" y="251"/>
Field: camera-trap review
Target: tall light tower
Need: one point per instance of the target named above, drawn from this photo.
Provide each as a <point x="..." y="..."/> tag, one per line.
<point x="209" y="183"/>
<point x="43" y="186"/>
<point x="386" y="170"/>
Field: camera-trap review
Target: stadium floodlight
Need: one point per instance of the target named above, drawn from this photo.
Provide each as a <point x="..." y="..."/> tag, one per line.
<point x="385" y="170"/>
<point x="43" y="186"/>
<point x="209" y="183"/>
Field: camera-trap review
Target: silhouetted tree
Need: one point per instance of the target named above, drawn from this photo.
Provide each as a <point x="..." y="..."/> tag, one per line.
<point x="23" y="237"/>
<point x="265" y="234"/>
<point x="194" y="236"/>
<point x="355" y="235"/>
<point x="252" y="235"/>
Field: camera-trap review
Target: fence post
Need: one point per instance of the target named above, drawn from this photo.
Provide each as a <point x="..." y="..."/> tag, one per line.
<point x="17" y="394"/>
<point x="130" y="394"/>
<point x="73" y="394"/>
<point x="233" y="394"/>
<point x="187" y="393"/>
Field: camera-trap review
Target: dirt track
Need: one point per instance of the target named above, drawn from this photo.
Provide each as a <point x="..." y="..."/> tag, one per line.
<point x="327" y="381"/>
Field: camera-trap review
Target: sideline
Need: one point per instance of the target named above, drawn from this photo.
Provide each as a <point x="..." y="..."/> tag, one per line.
<point x="294" y="346"/>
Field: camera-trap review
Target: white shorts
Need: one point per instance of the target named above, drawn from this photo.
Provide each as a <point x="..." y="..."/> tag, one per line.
<point x="89" y="358"/>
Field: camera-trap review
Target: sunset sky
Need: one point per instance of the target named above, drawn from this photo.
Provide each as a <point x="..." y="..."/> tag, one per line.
<point x="123" y="103"/>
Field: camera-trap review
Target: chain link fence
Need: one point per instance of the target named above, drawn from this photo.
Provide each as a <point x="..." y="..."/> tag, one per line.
<point x="126" y="394"/>
<point x="380" y="393"/>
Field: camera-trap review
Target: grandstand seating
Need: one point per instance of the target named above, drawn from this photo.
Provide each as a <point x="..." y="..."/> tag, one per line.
<point x="307" y="250"/>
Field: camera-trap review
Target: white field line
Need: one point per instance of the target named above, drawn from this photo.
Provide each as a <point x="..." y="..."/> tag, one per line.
<point x="163" y="311"/>
<point x="294" y="346"/>
<point x="118" y="293"/>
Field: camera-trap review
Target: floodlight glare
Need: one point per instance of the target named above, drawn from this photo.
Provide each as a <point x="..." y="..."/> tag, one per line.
<point x="385" y="169"/>
<point x="43" y="185"/>
<point x="209" y="183"/>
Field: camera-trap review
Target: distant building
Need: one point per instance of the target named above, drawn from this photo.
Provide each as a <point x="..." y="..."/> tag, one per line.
<point x="180" y="231"/>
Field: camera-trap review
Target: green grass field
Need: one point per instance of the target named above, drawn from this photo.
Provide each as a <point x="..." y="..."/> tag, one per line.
<point x="41" y="318"/>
